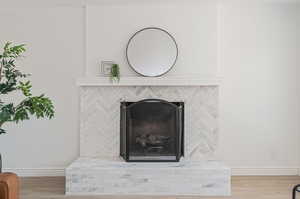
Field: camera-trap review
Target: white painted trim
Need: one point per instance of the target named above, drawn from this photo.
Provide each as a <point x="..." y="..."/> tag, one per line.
<point x="220" y="60"/>
<point x="73" y="3"/>
<point x="265" y="171"/>
<point x="38" y="172"/>
<point x="85" y="39"/>
<point x="150" y="81"/>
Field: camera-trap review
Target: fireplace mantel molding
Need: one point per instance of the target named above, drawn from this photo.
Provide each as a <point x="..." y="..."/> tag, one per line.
<point x="150" y="81"/>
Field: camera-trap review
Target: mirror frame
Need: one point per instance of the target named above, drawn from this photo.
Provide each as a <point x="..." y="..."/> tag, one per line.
<point x="152" y="28"/>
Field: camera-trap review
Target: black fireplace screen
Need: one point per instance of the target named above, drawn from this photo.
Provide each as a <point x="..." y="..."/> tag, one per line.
<point x="152" y="130"/>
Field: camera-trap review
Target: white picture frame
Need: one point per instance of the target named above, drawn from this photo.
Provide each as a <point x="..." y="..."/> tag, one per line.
<point x="106" y="67"/>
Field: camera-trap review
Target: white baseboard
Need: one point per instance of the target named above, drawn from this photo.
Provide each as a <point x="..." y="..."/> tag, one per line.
<point x="36" y="172"/>
<point x="265" y="171"/>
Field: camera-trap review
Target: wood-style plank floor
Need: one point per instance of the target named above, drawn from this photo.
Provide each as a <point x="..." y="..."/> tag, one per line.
<point x="242" y="188"/>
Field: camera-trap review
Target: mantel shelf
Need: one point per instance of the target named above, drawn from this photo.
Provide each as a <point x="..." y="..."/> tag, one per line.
<point x="150" y="81"/>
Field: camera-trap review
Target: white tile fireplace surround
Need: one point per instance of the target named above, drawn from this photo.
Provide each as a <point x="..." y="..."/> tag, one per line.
<point x="100" y="171"/>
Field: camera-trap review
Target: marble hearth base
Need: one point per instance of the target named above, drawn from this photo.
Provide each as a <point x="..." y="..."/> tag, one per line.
<point x="88" y="176"/>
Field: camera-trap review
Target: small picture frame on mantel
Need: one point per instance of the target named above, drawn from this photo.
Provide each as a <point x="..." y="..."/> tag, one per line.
<point x="106" y="68"/>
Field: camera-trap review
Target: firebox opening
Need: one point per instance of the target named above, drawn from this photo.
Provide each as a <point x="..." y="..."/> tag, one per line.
<point x="152" y="130"/>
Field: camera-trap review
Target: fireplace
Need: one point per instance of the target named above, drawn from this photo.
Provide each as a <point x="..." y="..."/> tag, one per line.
<point x="99" y="170"/>
<point x="152" y="130"/>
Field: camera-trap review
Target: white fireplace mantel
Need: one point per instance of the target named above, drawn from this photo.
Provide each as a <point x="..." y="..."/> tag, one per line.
<point x="150" y="81"/>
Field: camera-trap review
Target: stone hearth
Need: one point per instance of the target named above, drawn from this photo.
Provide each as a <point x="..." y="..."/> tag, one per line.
<point x="88" y="176"/>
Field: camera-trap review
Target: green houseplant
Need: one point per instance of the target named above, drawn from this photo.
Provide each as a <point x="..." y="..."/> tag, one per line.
<point x="13" y="80"/>
<point x="115" y="73"/>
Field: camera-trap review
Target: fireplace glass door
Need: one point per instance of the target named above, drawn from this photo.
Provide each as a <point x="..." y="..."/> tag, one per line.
<point x="152" y="130"/>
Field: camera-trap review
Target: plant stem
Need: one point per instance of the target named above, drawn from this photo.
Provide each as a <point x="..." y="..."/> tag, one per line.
<point x="1" y="66"/>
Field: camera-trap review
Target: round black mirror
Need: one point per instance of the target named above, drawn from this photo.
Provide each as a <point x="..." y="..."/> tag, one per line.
<point x="152" y="52"/>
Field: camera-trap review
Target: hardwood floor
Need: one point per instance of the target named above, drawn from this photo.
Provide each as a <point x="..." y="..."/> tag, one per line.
<point x="242" y="188"/>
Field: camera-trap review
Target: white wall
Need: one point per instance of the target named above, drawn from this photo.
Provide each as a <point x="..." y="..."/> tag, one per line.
<point x="54" y="38"/>
<point x="260" y="93"/>
<point x="258" y="57"/>
<point x="194" y="26"/>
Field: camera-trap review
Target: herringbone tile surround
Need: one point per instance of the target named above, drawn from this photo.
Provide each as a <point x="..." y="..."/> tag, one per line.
<point x="100" y="117"/>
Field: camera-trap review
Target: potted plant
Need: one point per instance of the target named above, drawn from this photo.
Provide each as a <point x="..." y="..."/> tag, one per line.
<point x="13" y="80"/>
<point x="115" y="73"/>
